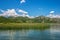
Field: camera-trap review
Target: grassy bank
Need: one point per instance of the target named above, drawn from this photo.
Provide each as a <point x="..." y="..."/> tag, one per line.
<point x="18" y="26"/>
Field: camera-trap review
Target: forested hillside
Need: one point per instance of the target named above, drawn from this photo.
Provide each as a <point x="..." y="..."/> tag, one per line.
<point x="40" y="19"/>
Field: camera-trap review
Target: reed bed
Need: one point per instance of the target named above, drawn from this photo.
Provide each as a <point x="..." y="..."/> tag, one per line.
<point x="18" y="26"/>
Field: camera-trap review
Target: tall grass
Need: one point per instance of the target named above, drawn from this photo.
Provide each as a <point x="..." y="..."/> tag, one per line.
<point x="18" y="26"/>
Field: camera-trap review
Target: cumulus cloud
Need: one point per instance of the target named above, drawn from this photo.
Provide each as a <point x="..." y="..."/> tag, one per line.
<point x="52" y="15"/>
<point x="9" y="12"/>
<point x="22" y="1"/>
<point x="29" y="16"/>
<point x="22" y="11"/>
<point x="55" y="16"/>
<point x="25" y="14"/>
<point x="12" y="12"/>
<point x="52" y="11"/>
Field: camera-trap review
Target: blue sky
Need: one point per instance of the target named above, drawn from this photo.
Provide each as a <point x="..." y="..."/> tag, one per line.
<point x="33" y="7"/>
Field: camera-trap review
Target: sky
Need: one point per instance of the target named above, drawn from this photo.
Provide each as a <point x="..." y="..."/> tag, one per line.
<point x="30" y="7"/>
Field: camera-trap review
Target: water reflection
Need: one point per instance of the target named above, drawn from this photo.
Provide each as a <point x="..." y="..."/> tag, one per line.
<point x="55" y="32"/>
<point x="49" y="34"/>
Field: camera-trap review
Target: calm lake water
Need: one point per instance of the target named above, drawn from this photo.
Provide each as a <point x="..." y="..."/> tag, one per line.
<point x="48" y="34"/>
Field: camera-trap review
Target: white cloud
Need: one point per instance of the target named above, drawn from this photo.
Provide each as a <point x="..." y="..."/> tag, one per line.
<point x="25" y="14"/>
<point x="51" y="15"/>
<point x="22" y="1"/>
<point x="52" y="11"/>
<point x="9" y="12"/>
<point x="30" y="16"/>
<point x="1" y="10"/>
<point x="12" y="12"/>
<point x="22" y="11"/>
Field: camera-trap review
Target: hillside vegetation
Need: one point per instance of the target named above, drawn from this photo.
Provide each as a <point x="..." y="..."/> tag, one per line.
<point x="41" y="22"/>
<point x="40" y="19"/>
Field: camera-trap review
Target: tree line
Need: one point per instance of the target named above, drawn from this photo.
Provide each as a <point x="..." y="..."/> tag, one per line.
<point x="20" y="19"/>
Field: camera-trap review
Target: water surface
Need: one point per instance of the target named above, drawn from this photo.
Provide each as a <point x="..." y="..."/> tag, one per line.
<point x="48" y="34"/>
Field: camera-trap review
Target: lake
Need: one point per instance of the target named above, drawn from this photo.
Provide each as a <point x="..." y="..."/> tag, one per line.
<point x="48" y="34"/>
